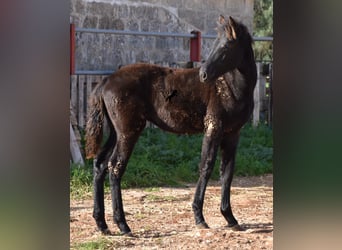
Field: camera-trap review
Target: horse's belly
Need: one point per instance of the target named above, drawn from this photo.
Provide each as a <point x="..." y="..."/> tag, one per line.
<point x="235" y="120"/>
<point x="179" y="112"/>
<point x="181" y="121"/>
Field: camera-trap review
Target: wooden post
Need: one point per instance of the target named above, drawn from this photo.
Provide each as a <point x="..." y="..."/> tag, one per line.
<point x="90" y="80"/>
<point x="73" y="93"/>
<point x="270" y="103"/>
<point x="74" y="148"/>
<point x="72" y="49"/>
<point x="81" y="108"/>
<point x="256" y="111"/>
<point x="262" y="91"/>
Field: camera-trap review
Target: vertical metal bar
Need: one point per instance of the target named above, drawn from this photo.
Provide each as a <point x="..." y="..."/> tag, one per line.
<point x="72" y="48"/>
<point x="195" y="46"/>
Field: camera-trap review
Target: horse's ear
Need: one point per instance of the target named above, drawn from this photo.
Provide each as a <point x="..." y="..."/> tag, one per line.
<point x="230" y="33"/>
<point x="232" y="25"/>
<point x="231" y="21"/>
<point x="221" y="19"/>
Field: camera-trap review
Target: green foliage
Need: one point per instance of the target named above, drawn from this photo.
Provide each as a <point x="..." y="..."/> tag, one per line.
<point x="161" y="158"/>
<point x="80" y="181"/>
<point x="101" y="243"/>
<point x="255" y="151"/>
<point x="164" y="159"/>
<point x="263" y="26"/>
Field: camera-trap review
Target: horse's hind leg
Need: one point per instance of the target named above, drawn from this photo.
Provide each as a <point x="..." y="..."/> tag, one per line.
<point x="116" y="167"/>
<point x="228" y="150"/>
<point x="99" y="173"/>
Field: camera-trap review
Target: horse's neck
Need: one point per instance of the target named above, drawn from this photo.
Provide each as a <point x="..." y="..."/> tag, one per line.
<point x="248" y="68"/>
<point x="238" y="84"/>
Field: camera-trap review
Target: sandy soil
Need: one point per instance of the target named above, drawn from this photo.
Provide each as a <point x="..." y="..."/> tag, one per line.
<point x="162" y="218"/>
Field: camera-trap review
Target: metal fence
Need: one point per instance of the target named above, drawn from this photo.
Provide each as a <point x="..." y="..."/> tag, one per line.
<point x="195" y="40"/>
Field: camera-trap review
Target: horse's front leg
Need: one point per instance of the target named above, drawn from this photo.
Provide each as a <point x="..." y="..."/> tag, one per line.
<point x="228" y="151"/>
<point x="211" y="141"/>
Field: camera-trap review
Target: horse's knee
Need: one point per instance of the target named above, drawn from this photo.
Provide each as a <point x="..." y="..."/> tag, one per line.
<point x="117" y="170"/>
<point x="213" y="126"/>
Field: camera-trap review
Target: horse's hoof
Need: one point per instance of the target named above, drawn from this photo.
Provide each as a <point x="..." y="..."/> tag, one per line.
<point x="236" y="227"/>
<point x="106" y="231"/>
<point x="202" y="225"/>
<point x="128" y="234"/>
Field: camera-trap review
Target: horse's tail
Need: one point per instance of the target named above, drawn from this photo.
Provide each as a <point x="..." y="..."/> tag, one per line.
<point x="94" y="127"/>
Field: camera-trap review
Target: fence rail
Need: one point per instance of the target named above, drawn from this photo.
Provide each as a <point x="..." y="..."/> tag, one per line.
<point x="194" y="36"/>
<point x="137" y="33"/>
<point x="162" y="34"/>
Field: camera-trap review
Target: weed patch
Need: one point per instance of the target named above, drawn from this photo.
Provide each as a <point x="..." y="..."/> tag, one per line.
<point x="164" y="159"/>
<point x="102" y="243"/>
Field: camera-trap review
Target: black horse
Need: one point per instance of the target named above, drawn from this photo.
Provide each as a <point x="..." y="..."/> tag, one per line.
<point x="216" y="100"/>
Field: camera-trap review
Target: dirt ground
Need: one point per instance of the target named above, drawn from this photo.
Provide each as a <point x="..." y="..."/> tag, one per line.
<point x="162" y="218"/>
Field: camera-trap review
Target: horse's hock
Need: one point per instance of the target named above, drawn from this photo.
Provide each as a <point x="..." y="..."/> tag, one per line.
<point x="108" y="52"/>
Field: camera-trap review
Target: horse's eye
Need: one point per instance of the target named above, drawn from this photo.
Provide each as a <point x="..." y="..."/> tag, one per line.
<point x="225" y="45"/>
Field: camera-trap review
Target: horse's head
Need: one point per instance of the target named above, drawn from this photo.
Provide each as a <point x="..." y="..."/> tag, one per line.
<point x="228" y="50"/>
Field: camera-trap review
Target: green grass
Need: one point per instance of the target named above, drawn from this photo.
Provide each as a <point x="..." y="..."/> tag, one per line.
<point x="102" y="243"/>
<point x="164" y="159"/>
<point x="255" y="151"/>
<point x="80" y="181"/>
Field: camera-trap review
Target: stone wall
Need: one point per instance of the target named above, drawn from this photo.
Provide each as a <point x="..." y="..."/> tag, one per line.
<point x="107" y="52"/>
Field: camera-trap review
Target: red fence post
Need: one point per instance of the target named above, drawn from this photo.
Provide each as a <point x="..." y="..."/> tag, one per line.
<point x="195" y="46"/>
<point x="72" y="48"/>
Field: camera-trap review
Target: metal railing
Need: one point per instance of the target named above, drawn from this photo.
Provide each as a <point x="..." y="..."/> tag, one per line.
<point x="162" y="34"/>
<point x="134" y="33"/>
<point x="195" y="44"/>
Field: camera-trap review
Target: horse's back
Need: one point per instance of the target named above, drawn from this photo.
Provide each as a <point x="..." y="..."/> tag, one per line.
<point x="173" y="99"/>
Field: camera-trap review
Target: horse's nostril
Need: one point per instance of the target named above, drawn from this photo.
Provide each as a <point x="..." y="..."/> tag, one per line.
<point x="203" y="76"/>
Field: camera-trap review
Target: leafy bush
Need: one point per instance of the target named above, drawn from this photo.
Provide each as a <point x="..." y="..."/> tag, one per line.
<point x="164" y="159"/>
<point x="255" y="151"/>
<point x="80" y="181"/>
